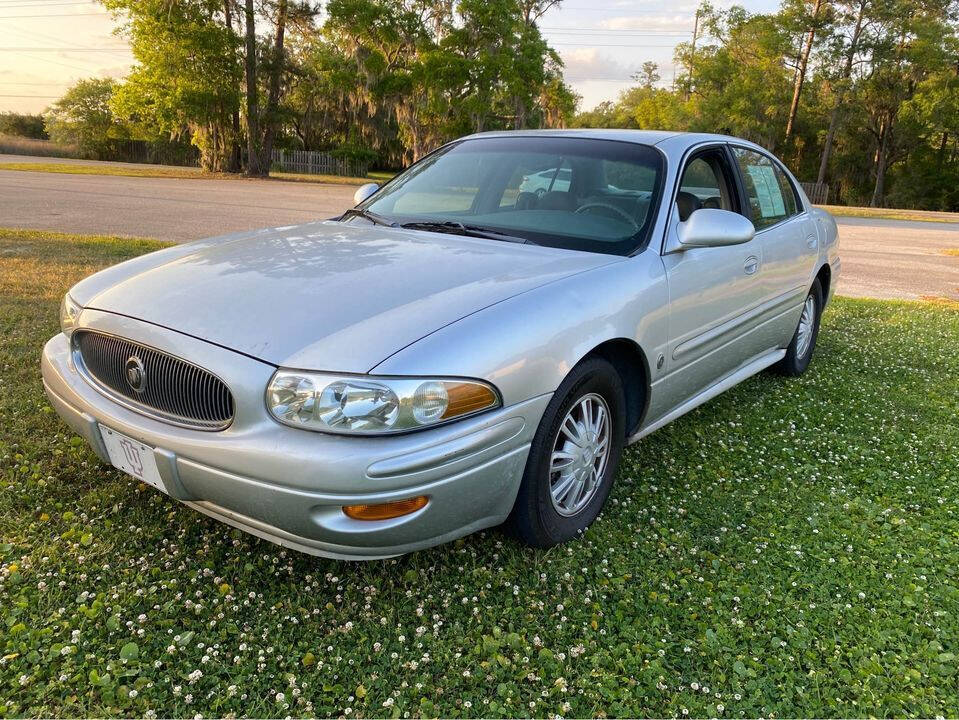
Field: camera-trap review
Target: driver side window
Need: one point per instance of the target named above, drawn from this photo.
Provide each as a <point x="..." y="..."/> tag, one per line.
<point x="705" y="184"/>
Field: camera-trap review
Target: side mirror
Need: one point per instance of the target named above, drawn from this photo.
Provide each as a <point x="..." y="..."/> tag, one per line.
<point x="364" y="191"/>
<point x="710" y="227"/>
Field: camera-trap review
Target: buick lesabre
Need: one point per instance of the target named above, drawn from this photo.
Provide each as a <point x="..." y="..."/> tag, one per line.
<point x="459" y="350"/>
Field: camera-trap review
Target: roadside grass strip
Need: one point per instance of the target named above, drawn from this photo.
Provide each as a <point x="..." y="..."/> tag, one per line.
<point x="184" y="173"/>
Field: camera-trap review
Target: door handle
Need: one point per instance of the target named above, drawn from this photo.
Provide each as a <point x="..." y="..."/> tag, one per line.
<point x="751" y="265"/>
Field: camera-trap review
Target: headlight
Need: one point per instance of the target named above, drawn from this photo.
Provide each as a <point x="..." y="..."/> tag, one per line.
<point x="69" y="311"/>
<point x="370" y="405"/>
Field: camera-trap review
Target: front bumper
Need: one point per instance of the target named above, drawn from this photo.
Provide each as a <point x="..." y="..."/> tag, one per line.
<point x="288" y="485"/>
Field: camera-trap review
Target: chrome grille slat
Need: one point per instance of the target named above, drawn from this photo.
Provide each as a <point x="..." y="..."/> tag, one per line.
<point x="176" y="391"/>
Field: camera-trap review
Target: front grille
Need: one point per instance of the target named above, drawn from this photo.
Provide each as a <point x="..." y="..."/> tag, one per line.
<point x="162" y="386"/>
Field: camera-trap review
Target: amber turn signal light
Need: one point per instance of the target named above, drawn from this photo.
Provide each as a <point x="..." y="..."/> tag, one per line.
<point x="386" y="511"/>
<point x="467" y="398"/>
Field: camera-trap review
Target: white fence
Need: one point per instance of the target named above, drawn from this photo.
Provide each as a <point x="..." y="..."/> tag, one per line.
<point x="317" y="163"/>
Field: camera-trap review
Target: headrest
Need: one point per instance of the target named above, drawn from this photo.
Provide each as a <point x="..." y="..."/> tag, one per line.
<point x="687" y="203"/>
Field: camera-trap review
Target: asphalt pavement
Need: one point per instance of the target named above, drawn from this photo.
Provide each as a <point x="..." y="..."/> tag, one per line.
<point x="166" y="208"/>
<point x="880" y="258"/>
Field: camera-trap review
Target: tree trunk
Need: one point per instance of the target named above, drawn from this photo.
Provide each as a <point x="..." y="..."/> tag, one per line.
<point x="519" y="119"/>
<point x="252" y="106"/>
<point x="881" y="158"/>
<point x="801" y="70"/>
<point x="235" y="161"/>
<point x="846" y="74"/>
<point x="827" y="145"/>
<point x="271" y="120"/>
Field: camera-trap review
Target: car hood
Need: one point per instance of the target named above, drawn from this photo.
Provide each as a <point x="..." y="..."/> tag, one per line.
<point x="325" y="295"/>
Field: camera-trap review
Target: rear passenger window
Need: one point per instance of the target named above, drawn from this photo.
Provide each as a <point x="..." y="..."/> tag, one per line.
<point x="770" y="194"/>
<point x="789" y="193"/>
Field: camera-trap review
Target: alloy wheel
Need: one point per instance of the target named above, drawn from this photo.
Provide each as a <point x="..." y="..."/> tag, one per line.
<point x="807" y="324"/>
<point x="580" y="455"/>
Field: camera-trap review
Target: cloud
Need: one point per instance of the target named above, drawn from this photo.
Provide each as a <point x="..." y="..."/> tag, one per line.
<point x="678" y="21"/>
<point x="589" y="63"/>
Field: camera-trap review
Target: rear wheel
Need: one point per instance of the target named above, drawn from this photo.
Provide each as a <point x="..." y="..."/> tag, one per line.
<point x="803" y="343"/>
<point x="573" y="457"/>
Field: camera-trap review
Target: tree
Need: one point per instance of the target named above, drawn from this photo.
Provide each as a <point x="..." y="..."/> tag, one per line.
<point x="865" y="91"/>
<point x="844" y="50"/>
<point x="193" y="69"/>
<point x="648" y="75"/>
<point x="810" y="23"/>
<point x="432" y="74"/>
<point x="185" y="82"/>
<point x="83" y="117"/>
<point x="22" y="125"/>
<point x="261" y="127"/>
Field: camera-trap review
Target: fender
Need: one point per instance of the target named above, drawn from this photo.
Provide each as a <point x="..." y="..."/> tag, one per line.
<point x="527" y="344"/>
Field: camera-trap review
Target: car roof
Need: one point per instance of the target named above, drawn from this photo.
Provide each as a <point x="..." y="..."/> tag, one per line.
<point x="674" y="140"/>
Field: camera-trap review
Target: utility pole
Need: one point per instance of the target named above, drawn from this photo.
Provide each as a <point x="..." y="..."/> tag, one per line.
<point x="692" y="57"/>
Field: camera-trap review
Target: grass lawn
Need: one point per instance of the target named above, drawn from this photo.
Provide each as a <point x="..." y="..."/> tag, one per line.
<point x="791" y="548"/>
<point x="188" y="173"/>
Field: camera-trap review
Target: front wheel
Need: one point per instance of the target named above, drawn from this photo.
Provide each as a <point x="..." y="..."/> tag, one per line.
<point x="803" y="343"/>
<point x="573" y="457"/>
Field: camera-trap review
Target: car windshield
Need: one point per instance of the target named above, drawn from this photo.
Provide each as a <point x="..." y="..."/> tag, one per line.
<point x="575" y="193"/>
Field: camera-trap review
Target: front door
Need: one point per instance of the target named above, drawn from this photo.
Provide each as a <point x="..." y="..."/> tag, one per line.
<point x="714" y="292"/>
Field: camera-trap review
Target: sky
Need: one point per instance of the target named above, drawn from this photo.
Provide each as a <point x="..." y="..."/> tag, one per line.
<point x="47" y="45"/>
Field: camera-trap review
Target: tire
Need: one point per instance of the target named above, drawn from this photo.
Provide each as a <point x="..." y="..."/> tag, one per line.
<point x="799" y="353"/>
<point x="539" y="520"/>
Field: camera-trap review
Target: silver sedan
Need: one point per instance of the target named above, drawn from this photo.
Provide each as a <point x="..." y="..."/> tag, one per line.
<point x="455" y="352"/>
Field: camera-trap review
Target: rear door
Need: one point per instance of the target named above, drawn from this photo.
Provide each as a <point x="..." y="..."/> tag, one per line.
<point x="788" y="238"/>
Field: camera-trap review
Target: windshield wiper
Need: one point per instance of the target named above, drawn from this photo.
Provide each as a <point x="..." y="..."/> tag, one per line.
<point x="457" y="228"/>
<point x="371" y="216"/>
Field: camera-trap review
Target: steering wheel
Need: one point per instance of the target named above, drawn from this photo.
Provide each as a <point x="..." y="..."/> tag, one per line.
<point x="606" y="206"/>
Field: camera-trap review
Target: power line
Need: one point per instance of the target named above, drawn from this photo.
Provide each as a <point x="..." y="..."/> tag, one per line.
<point x="61" y="64"/>
<point x="637" y="46"/>
<point x="36" y="5"/>
<point x="53" y="15"/>
<point x="62" y="49"/>
<point x="624" y="35"/>
<point x="41" y="37"/>
<point x="616" y="31"/>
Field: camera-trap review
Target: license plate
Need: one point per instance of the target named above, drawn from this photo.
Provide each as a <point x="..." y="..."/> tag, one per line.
<point x="132" y="457"/>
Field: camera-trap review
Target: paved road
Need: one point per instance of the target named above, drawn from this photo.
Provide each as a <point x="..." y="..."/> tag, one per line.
<point x="881" y="258"/>
<point x="165" y="208"/>
<point x="891" y="259"/>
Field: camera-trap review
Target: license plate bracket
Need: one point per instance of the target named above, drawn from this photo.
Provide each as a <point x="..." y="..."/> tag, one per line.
<point x="132" y="457"/>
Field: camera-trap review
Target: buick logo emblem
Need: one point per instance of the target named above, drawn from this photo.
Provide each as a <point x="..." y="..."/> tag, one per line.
<point x="136" y="375"/>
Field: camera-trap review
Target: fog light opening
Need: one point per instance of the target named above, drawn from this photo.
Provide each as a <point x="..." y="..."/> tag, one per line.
<point x="386" y="511"/>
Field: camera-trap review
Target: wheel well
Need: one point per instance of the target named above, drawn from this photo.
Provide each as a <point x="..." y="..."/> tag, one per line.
<point x="631" y="364"/>
<point x="824" y="276"/>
